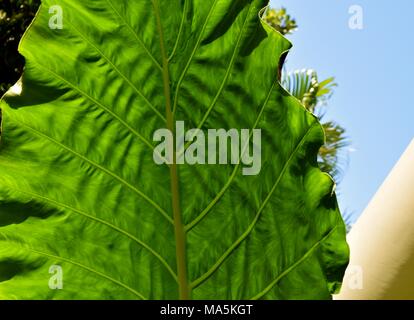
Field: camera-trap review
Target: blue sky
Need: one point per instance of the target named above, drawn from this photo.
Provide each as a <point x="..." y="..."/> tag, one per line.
<point x="374" y="69"/>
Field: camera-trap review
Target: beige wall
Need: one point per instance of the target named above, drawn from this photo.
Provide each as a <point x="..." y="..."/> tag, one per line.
<point x="382" y="240"/>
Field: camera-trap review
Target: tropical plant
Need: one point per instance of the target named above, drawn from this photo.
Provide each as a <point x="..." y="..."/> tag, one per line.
<point x="79" y="187"/>
<point x="280" y="20"/>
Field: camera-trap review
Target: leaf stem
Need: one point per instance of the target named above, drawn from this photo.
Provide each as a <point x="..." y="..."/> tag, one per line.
<point x="180" y="234"/>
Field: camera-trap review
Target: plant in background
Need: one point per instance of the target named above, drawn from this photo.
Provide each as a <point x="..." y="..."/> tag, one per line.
<point x="280" y="20"/>
<point x="79" y="187"/>
<point x="15" y="17"/>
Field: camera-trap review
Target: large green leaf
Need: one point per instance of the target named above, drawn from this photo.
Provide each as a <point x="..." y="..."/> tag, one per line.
<point x="79" y="187"/>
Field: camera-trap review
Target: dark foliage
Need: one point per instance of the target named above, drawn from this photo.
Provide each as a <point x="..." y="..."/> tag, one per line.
<point x="15" y="17"/>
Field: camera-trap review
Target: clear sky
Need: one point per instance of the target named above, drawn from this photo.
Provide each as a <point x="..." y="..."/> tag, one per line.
<point x="374" y="68"/>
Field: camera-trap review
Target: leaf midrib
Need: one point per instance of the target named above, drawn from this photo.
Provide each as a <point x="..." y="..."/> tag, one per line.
<point x="179" y="231"/>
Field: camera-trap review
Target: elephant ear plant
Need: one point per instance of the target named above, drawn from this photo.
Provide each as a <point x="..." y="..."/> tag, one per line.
<point x="80" y="192"/>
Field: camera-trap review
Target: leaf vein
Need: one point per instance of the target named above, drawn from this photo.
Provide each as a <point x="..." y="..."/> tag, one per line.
<point x="233" y="247"/>
<point x="180" y="30"/>
<point x="106" y="109"/>
<point x="230" y="180"/>
<point x="226" y="77"/>
<point x="123" y="19"/>
<point x="183" y="74"/>
<point x="128" y="81"/>
<point x="104" y="222"/>
<point x="91" y="270"/>
<point x="293" y="266"/>
<point x="101" y="168"/>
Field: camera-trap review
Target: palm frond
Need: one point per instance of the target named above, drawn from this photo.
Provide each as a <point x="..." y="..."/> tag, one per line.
<point x="280" y="20"/>
<point x="314" y="95"/>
